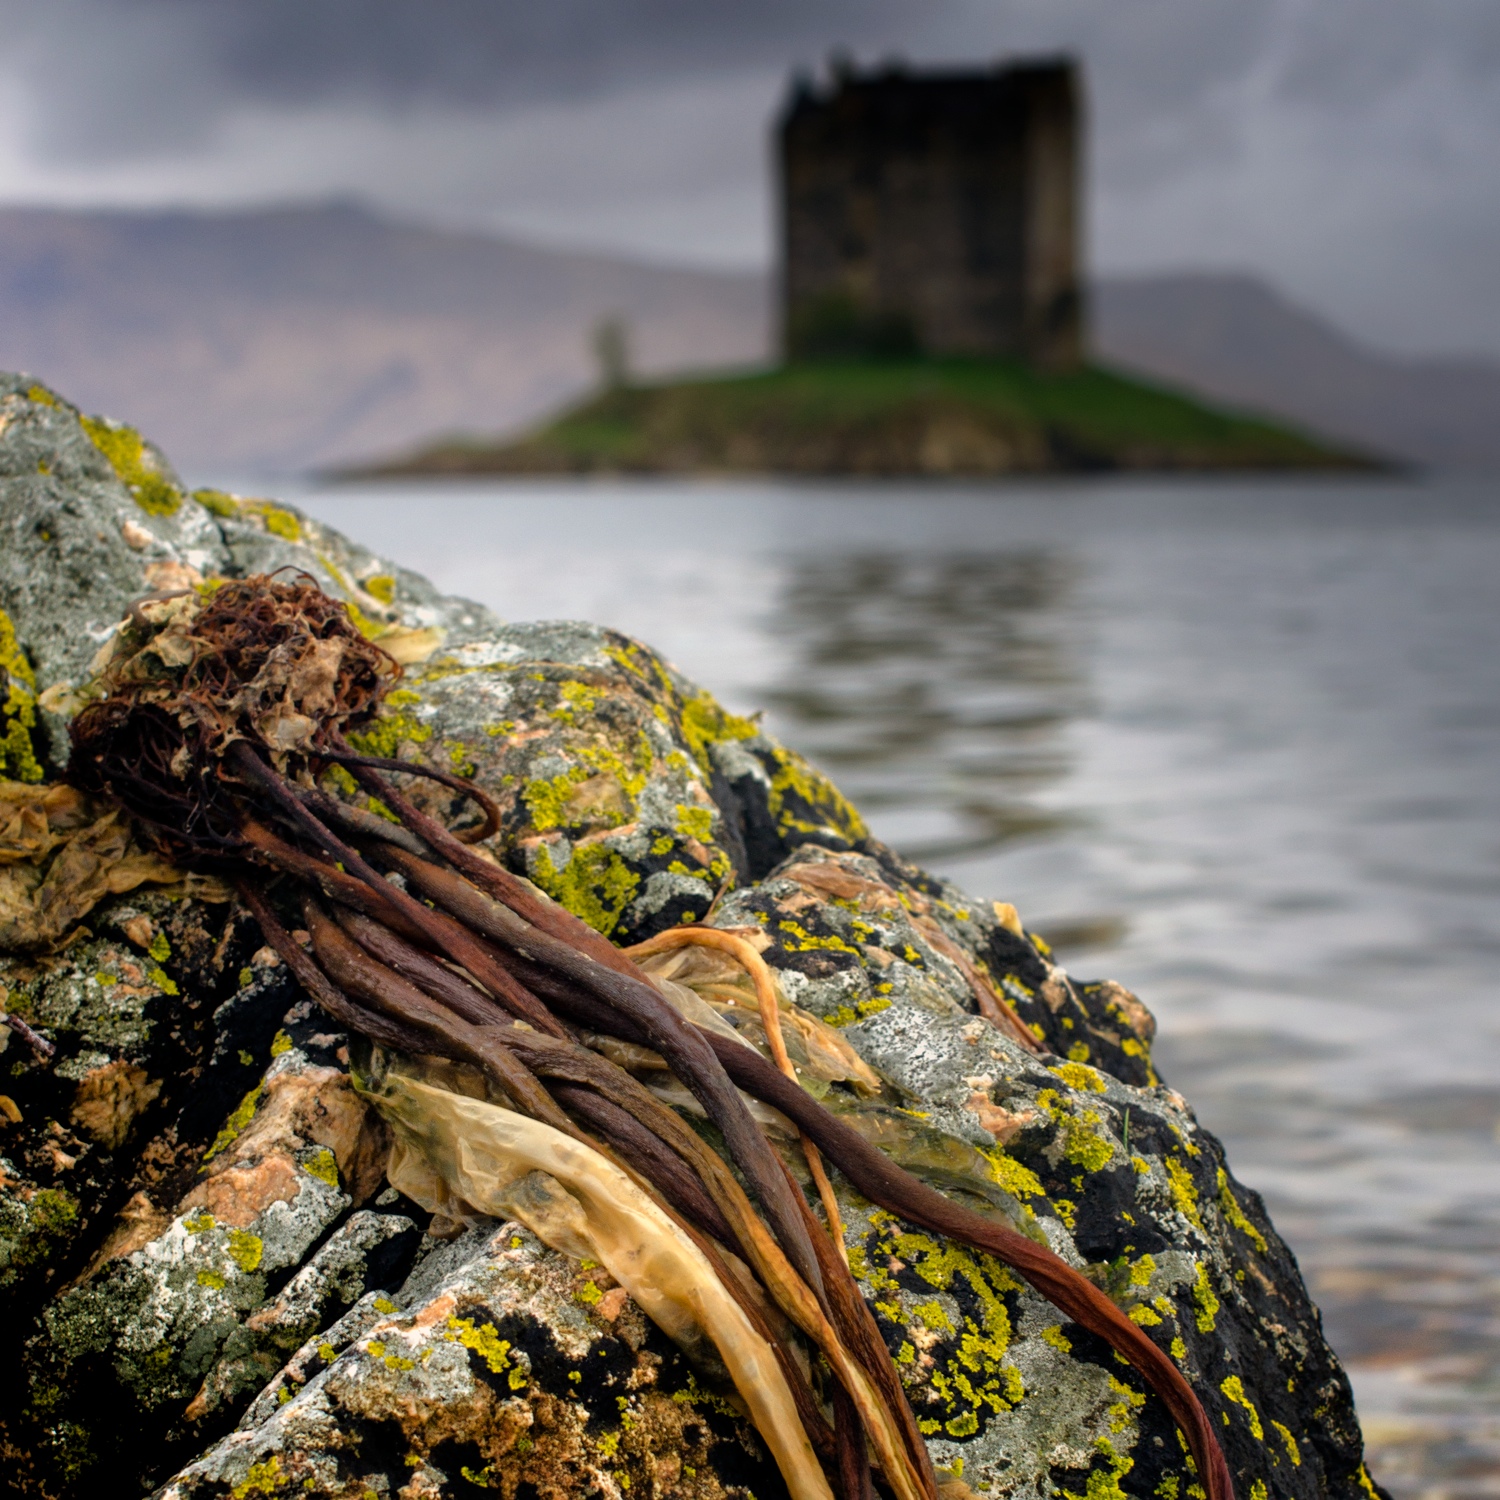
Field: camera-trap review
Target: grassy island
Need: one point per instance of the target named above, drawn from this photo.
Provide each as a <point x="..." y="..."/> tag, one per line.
<point x="883" y="417"/>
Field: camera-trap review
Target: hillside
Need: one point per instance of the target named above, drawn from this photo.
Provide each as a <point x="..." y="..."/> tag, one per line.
<point x="278" y="340"/>
<point x="938" y="417"/>
<point x="275" y="340"/>
<point x="1234" y="339"/>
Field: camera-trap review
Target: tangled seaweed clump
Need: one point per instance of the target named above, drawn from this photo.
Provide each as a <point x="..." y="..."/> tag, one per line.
<point x="203" y="1221"/>
<point x="216" y="717"/>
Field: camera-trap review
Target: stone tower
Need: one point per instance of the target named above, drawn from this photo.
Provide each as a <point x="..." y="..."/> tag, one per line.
<point x="934" y="212"/>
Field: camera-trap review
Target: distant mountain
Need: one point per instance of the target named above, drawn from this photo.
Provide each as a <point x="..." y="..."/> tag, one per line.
<point x="278" y="340"/>
<point x="283" y="339"/>
<point x="1235" y="339"/>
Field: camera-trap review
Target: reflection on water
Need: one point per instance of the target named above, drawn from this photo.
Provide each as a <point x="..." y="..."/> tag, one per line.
<point x="933" y="689"/>
<point x="1233" y="745"/>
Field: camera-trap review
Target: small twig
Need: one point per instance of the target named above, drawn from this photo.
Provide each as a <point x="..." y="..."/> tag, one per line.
<point x="38" y="1044"/>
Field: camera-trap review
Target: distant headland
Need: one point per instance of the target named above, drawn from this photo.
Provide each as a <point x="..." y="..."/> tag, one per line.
<point x="885" y="417"/>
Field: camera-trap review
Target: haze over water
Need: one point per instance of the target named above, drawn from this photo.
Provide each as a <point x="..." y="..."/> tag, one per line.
<point x="1234" y="744"/>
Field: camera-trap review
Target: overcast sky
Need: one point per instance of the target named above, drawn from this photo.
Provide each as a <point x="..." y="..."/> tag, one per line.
<point x="1349" y="150"/>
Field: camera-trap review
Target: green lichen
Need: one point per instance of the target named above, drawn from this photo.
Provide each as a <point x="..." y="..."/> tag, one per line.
<point x="596" y="884"/>
<point x="42" y="396"/>
<point x="130" y="458"/>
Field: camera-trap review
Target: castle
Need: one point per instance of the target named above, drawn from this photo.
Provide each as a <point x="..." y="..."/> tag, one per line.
<point x="933" y="213"/>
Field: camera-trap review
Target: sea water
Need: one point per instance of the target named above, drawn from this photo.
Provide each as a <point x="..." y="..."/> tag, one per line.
<point x="1234" y="743"/>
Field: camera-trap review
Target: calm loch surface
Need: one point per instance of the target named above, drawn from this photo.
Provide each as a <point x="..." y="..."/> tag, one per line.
<point x="1234" y="744"/>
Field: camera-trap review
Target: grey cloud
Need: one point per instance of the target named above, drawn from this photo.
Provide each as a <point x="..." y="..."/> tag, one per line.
<point x="1343" y="147"/>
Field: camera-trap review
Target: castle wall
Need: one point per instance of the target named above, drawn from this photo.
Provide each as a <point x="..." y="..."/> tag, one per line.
<point x="936" y="211"/>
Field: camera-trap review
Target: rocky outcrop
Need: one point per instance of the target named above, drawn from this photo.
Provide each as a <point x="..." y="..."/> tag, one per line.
<point x="212" y="1288"/>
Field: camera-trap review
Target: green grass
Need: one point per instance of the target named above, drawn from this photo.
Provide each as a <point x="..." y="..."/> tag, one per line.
<point x="915" y="416"/>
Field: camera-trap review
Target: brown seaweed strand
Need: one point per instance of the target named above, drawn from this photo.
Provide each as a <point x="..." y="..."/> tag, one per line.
<point x="317" y="984"/>
<point x="770" y="1018"/>
<point x="882" y="1181"/>
<point x="519" y="894"/>
<point x="857" y="1328"/>
<point x="345" y="757"/>
<point x="388" y="904"/>
<point x="455" y="991"/>
<point x="687" y="1053"/>
<point x="355" y="972"/>
<point x="553" y="1060"/>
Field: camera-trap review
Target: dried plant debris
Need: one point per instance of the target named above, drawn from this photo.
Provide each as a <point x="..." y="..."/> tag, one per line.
<point x="61" y="853"/>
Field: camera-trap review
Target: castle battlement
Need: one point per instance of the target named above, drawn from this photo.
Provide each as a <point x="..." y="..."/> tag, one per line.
<point x="934" y="212"/>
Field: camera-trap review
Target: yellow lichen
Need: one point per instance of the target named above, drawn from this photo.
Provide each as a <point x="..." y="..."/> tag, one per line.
<point x="1184" y="1192"/>
<point x="1230" y="1208"/>
<point x="596" y="884"/>
<point x="705" y="721"/>
<point x="1293" y="1452"/>
<point x="324" y="1166"/>
<point x="382" y="587"/>
<point x="261" y="1479"/>
<point x="132" y="461"/>
<point x="695" y="823"/>
<point x="484" y="1339"/>
<point x="1234" y="1390"/>
<point x="1207" y="1300"/>
<point x="18" y="761"/>
<point x="794" y="777"/>
<point x="217" y="503"/>
<point x="1080" y="1078"/>
<point x="1083" y="1142"/>
<point x="243" y="1113"/>
<point x="245" y="1249"/>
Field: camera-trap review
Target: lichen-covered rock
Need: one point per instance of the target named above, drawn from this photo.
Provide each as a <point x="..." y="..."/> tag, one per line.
<point x="210" y="1286"/>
